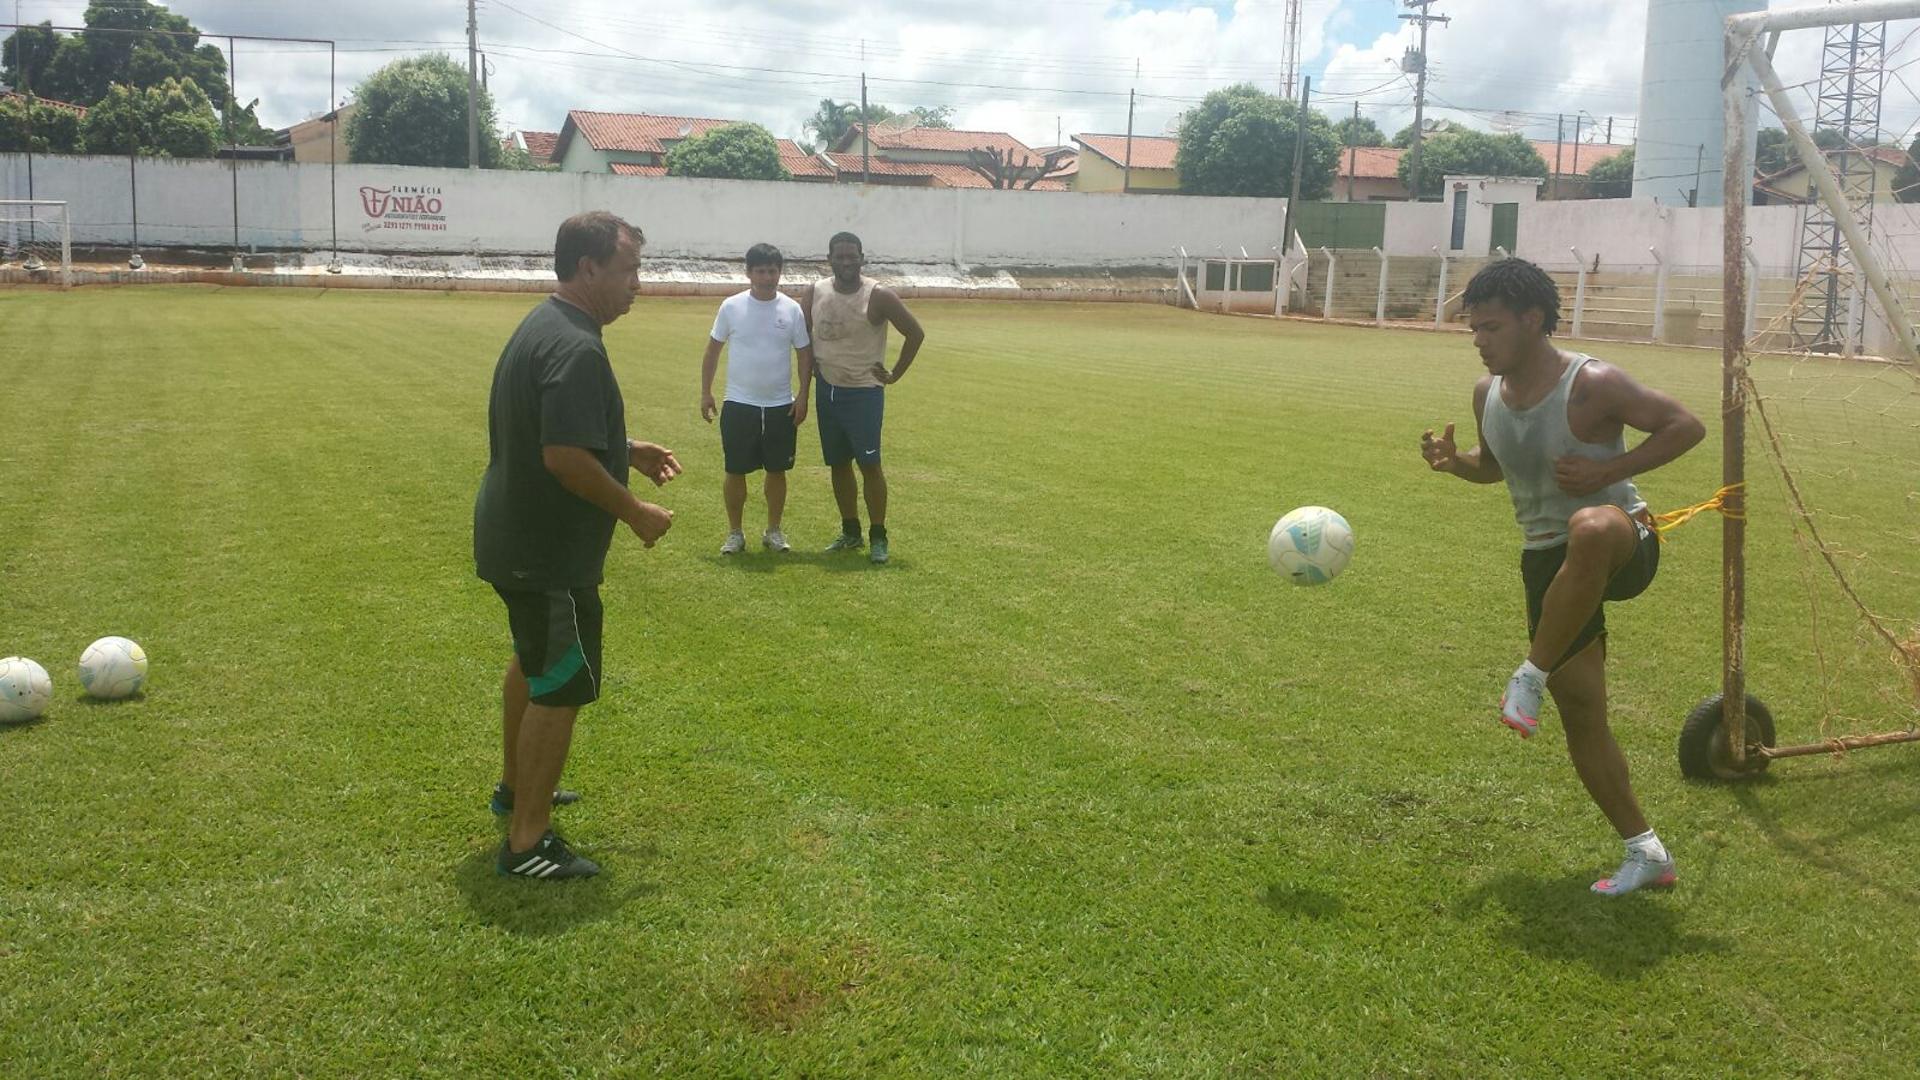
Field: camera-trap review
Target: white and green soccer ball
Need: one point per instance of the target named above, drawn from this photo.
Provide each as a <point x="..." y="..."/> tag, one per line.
<point x="25" y="689"/>
<point x="1310" y="546"/>
<point x="113" y="668"/>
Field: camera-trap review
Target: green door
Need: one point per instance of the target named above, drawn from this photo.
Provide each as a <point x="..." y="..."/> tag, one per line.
<point x="1341" y="225"/>
<point x="1506" y="227"/>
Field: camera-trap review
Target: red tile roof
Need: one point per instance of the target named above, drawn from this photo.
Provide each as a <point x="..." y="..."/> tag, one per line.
<point x="945" y="139"/>
<point x="800" y="163"/>
<point x="936" y="174"/>
<point x="1590" y="154"/>
<point x="1149" y="151"/>
<point x="540" y="144"/>
<point x="638" y="133"/>
<point x="1369" y="162"/>
<point x="77" y="110"/>
<point x="628" y="168"/>
<point x="1383" y="162"/>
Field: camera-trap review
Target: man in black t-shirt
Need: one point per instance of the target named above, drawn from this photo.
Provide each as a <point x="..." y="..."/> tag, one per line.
<point x="555" y="486"/>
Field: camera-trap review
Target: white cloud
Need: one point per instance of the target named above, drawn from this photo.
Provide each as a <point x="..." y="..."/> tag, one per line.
<point x="1016" y="65"/>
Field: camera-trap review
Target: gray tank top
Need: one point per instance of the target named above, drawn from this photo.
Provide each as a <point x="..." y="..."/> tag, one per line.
<point x="1527" y="442"/>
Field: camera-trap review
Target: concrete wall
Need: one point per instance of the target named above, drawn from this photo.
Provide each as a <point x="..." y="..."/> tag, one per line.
<point x="386" y="209"/>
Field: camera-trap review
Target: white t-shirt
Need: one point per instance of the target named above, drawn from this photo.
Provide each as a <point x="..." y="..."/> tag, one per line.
<point x="760" y="336"/>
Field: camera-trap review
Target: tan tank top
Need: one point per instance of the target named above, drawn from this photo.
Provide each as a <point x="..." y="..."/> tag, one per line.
<point x="846" y="345"/>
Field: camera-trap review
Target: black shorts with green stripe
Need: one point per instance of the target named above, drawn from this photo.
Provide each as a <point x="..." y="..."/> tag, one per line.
<point x="556" y="636"/>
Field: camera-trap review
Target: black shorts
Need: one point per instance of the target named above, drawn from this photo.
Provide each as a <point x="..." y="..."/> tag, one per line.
<point x="755" y="437"/>
<point x="1538" y="567"/>
<point x="556" y="635"/>
<point x="849" y="419"/>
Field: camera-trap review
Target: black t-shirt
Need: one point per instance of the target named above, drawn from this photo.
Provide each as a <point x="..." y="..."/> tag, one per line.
<point x="552" y="387"/>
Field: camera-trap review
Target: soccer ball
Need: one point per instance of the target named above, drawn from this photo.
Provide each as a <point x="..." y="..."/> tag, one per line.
<point x="1310" y="545"/>
<point x="25" y="690"/>
<point x="113" y="668"/>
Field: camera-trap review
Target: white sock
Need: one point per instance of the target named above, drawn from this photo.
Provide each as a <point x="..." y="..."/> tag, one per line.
<point x="1531" y="672"/>
<point x="1649" y="845"/>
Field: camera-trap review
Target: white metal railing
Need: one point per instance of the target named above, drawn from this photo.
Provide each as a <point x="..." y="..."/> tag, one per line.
<point x="1579" y="293"/>
<point x="1326" y="301"/>
<point x="1380" y="300"/>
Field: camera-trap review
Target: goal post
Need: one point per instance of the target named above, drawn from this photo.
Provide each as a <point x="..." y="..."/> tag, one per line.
<point x="1734" y="743"/>
<point x="36" y="235"/>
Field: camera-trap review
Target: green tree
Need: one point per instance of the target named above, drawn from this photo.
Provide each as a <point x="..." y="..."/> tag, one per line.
<point x="733" y="152"/>
<point x="54" y="130"/>
<point x="831" y="122"/>
<point x="1360" y="131"/>
<point x="1240" y="140"/>
<point x="1612" y="178"/>
<point x="414" y="112"/>
<point x="173" y="119"/>
<point x="1906" y="180"/>
<point x="1404" y="137"/>
<point x="1465" y="152"/>
<point x="933" y="116"/>
<point x="126" y="43"/>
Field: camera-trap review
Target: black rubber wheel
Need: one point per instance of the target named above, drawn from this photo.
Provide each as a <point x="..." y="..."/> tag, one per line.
<point x="1704" y="752"/>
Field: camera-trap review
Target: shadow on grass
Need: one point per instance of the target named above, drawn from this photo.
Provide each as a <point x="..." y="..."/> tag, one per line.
<point x="1833" y="817"/>
<point x="766" y="562"/>
<point x="1559" y="919"/>
<point x="1309" y="903"/>
<point x="550" y="908"/>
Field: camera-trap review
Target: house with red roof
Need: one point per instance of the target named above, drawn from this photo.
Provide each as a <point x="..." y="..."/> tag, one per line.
<point x="944" y="157"/>
<point x="1143" y="164"/>
<point x="636" y="144"/>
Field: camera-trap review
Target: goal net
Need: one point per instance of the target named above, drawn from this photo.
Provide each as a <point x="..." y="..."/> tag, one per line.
<point x="1823" y="551"/>
<point x="36" y="238"/>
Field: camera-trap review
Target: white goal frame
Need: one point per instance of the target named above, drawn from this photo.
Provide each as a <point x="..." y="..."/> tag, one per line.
<point x="1745" y="50"/>
<point x="56" y="221"/>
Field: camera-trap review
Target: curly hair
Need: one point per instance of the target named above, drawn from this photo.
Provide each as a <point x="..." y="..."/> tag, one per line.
<point x="1519" y="286"/>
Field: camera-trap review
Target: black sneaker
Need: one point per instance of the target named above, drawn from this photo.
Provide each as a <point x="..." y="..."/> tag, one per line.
<point x="548" y="860"/>
<point x="502" y="804"/>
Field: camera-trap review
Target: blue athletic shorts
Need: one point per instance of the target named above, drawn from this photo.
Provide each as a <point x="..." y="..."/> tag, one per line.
<point x="849" y="419"/>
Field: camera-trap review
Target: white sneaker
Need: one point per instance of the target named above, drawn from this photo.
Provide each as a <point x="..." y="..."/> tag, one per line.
<point x="736" y="543"/>
<point x="775" y="540"/>
<point x="1639" y="871"/>
<point x="1520" y="705"/>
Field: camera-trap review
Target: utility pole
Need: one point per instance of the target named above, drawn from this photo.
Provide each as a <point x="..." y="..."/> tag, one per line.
<point x="1126" y="164"/>
<point x="1353" y="151"/>
<point x="1559" y="143"/>
<point x="473" y="86"/>
<point x="1416" y="62"/>
<point x="1299" y="153"/>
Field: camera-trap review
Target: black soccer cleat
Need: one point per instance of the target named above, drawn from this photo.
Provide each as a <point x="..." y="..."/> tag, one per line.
<point x="549" y="860"/>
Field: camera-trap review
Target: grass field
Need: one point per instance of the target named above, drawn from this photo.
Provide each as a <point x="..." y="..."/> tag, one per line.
<point x="1076" y="786"/>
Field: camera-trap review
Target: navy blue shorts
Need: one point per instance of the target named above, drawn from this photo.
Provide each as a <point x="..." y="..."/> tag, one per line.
<point x="755" y="437"/>
<point x="556" y="636"/>
<point x="849" y="419"/>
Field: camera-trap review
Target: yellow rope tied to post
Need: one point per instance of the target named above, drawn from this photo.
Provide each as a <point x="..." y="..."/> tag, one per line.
<point x="1673" y="519"/>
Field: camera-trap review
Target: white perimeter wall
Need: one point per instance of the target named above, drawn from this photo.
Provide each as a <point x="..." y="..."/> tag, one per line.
<point x="288" y="206"/>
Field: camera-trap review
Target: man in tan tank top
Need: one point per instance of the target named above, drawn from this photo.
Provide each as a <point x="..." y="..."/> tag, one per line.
<point x="847" y="319"/>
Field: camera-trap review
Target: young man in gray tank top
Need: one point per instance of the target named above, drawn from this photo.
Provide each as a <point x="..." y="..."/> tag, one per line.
<point x="1553" y="425"/>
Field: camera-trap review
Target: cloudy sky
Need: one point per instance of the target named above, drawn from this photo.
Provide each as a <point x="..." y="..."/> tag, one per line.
<point x="1031" y="67"/>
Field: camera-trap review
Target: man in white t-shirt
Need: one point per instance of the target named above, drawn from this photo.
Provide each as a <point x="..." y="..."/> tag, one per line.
<point x="760" y="329"/>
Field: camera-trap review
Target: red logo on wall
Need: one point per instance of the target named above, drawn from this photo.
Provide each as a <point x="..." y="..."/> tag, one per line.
<point x="411" y="206"/>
